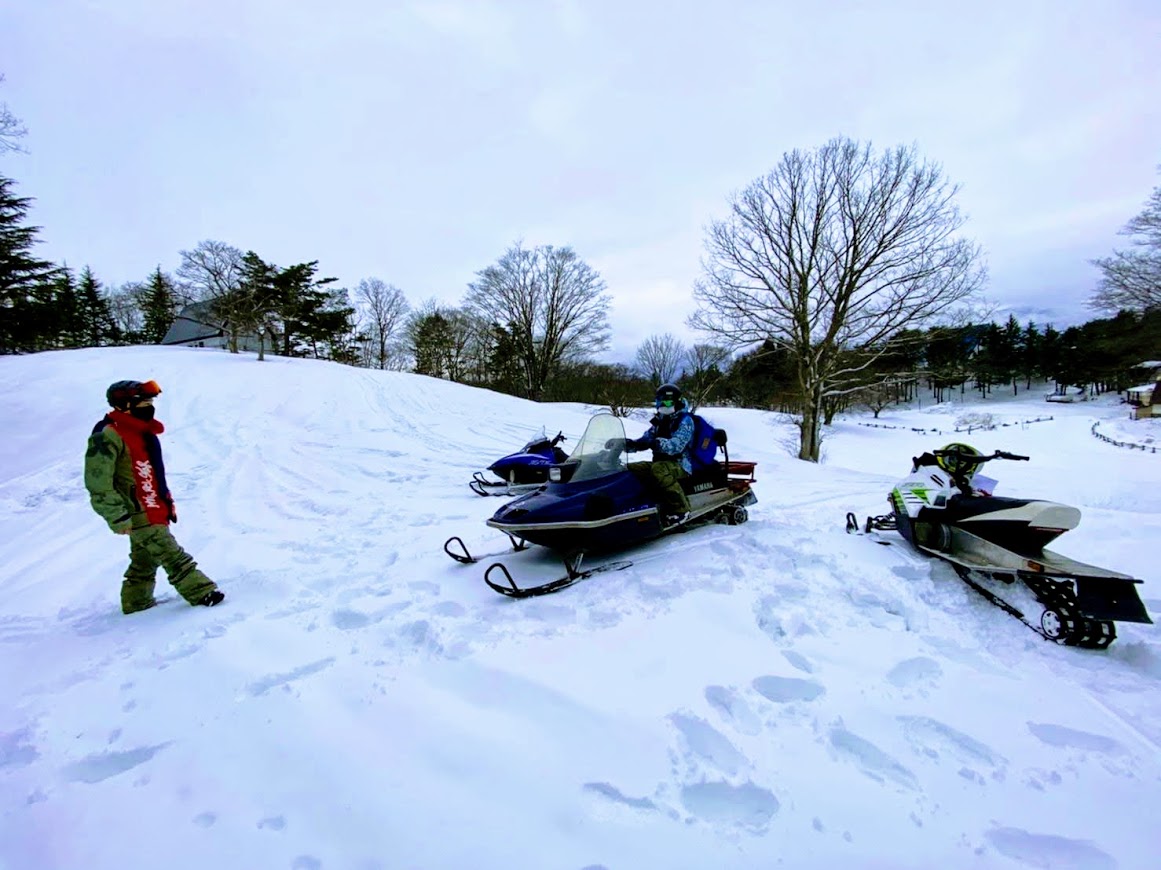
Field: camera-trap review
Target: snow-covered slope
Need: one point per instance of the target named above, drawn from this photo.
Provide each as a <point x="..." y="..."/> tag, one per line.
<point x="773" y="694"/>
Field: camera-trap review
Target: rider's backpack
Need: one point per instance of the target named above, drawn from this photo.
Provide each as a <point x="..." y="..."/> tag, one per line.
<point x="703" y="449"/>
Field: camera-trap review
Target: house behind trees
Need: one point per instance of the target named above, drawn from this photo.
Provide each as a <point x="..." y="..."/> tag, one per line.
<point x="196" y="326"/>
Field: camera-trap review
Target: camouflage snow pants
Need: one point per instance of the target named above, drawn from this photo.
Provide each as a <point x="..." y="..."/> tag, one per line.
<point x="151" y="547"/>
<point x="664" y="479"/>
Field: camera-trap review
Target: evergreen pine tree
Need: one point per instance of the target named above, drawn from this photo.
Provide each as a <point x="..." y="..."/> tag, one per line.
<point x="23" y="278"/>
<point x="95" y="322"/>
<point x="158" y="306"/>
<point x="61" y="318"/>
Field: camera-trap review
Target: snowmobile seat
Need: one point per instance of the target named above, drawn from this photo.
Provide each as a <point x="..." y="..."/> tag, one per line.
<point x="712" y="475"/>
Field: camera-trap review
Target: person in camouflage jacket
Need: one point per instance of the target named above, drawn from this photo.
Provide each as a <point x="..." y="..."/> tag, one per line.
<point x="125" y="477"/>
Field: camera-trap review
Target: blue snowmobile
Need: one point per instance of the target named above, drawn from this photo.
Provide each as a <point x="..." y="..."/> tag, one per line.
<point x="522" y="471"/>
<point x="593" y="503"/>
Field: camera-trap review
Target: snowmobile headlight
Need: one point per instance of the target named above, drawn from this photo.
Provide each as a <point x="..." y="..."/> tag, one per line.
<point x="554" y="475"/>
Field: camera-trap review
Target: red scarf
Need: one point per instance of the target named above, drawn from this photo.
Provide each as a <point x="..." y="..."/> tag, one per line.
<point x="140" y="437"/>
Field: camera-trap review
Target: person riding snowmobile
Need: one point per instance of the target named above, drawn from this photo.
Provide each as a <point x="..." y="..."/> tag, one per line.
<point x="670" y="437"/>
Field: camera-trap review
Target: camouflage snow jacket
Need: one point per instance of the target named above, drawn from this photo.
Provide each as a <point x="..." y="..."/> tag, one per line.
<point x="125" y="474"/>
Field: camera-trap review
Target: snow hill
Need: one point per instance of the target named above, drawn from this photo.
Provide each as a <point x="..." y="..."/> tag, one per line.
<point x="773" y="694"/>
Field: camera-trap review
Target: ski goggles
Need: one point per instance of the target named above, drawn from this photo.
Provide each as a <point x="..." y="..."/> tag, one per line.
<point x="665" y="403"/>
<point x="150" y="389"/>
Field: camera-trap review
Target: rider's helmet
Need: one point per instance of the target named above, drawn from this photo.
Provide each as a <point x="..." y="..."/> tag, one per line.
<point x="668" y="399"/>
<point x="957" y="459"/>
<point x="124" y="394"/>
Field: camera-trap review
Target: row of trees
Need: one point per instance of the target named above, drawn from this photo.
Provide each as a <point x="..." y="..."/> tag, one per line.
<point x="840" y="277"/>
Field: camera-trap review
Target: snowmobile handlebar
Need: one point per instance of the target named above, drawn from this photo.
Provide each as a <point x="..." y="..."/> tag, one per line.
<point x="970" y="458"/>
<point x="977" y="457"/>
<point x="964" y="461"/>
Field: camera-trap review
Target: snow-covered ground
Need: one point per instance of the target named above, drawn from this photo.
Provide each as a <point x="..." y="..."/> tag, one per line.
<point x="773" y="694"/>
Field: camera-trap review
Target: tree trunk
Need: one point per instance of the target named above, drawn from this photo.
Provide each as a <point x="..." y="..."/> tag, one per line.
<point x="809" y="429"/>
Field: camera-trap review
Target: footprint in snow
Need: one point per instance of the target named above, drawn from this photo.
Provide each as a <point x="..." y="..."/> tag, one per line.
<point x="733" y="708"/>
<point x="272" y="681"/>
<point x="783" y="690"/>
<point x="710" y="745"/>
<point x="611" y="795"/>
<point x="934" y="739"/>
<point x="870" y="759"/>
<point x="720" y="804"/>
<point x="1048" y="850"/>
<point x="1069" y="738"/>
<point x="17" y="749"/>
<point x="272" y="823"/>
<point x="915" y="672"/>
<point x="798" y="660"/>
<point x="104" y="765"/>
<point x="348" y="620"/>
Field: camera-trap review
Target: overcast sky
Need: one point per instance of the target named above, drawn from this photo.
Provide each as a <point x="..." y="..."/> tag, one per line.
<point x="416" y="141"/>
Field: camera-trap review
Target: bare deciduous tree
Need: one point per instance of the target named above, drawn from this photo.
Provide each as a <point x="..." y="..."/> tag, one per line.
<point x="706" y="364"/>
<point x="551" y="301"/>
<point x="384" y="311"/>
<point x="660" y="357"/>
<point x="10" y="129"/>
<point x="835" y="249"/>
<point x="1131" y="280"/>
<point x="213" y="272"/>
<point x="125" y="306"/>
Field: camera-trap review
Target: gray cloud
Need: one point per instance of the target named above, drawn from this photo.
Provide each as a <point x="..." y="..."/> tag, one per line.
<point x="415" y="142"/>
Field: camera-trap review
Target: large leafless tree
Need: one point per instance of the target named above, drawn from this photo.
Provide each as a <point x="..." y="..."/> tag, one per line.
<point x="553" y="304"/>
<point x="383" y="309"/>
<point x="1131" y="279"/>
<point x="660" y="358"/>
<point x="11" y="130"/>
<point x="705" y="367"/>
<point x="213" y="272"/>
<point x="836" y="249"/>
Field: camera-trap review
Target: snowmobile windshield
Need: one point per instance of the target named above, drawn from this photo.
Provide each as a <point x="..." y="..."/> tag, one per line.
<point x="594" y="455"/>
<point x="539" y="441"/>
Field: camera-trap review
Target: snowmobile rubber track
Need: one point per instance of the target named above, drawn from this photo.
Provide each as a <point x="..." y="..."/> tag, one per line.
<point x="1061" y="622"/>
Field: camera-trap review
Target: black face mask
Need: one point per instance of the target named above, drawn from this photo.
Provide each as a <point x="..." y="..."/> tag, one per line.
<point x="142" y="412"/>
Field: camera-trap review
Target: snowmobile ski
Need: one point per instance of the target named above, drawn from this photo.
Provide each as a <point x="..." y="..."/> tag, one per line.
<point x="573" y="574"/>
<point x="465" y="557"/>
